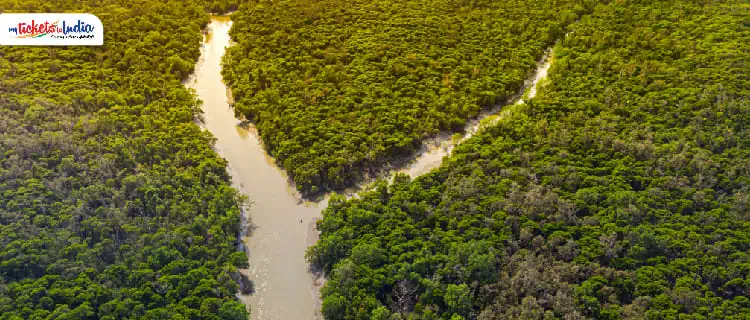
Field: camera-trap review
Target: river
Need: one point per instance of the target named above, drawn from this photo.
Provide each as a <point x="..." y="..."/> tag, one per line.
<point x="283" y="224"/>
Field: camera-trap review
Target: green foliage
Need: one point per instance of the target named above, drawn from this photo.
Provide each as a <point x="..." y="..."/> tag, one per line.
<point x="220" y="6"/>
<point x="112" y="203"/>
<point x="338" y="88"/>
<point x="334" y="307"/>
<point x="458" y="299"/>
<point x="619" y="192"/>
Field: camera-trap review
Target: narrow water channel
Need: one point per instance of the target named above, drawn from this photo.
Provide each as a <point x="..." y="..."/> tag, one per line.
<point x="283" y="225"/>
<point x="432" y="152"/>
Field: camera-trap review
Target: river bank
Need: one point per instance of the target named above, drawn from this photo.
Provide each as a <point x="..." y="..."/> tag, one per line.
<point x="283" y="223"/>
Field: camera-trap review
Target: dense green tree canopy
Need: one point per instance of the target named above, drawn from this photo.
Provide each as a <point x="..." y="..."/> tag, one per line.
<point x="220" y="6"/>
<point x="620" y="192"/>
<point x="340" y="87"/>
<point x="112" y="203"/>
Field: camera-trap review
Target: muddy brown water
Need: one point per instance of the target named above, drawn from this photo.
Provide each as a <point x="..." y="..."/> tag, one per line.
<point x="283" y="286"/>
<point x="284" y="224"/>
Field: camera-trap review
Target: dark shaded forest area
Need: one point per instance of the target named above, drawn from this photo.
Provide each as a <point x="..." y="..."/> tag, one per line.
<point x="112" y="203"/>
<point x="337" y="88"/>
<point x="620" y="192"/>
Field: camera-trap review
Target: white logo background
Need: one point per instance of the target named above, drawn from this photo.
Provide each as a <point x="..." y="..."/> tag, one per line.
<point x="9" y="29"/>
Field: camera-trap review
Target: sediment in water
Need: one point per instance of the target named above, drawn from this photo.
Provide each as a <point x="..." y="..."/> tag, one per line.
<point x="281" y="284"/>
